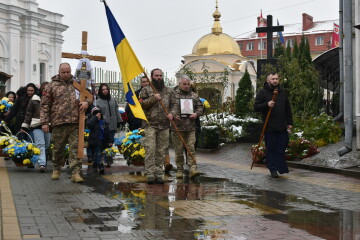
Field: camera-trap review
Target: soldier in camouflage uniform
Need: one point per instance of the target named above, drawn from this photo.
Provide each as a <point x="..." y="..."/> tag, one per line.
<point x="59" y="110"/>
<point x="156" y="138"/>
<point x="185" y="122"/>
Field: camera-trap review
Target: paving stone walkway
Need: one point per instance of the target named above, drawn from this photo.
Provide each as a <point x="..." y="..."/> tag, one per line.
<point x="228" y="201"/>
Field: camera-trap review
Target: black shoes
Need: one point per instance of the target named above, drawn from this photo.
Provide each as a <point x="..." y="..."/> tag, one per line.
<point x="274" y="174"/>
<point x="168" y="168"/>
<point x="159" y="180"/>
<point x="150" y="180"/>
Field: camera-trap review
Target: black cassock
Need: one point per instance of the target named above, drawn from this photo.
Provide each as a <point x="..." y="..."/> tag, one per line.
<point x="276" y="144"/>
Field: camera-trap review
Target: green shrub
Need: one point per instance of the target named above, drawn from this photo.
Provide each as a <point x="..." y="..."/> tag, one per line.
<point x="244" y="95"/>
<point x="321" y="129"/>
<point x="251" y="131"/>
<point x="209" y="137"/>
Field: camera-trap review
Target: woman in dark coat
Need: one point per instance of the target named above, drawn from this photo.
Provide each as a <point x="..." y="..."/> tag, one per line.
<point x="110" y="111"/>
<point x="18" y="111"/>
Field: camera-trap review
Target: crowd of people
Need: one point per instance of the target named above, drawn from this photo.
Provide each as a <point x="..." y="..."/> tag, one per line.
<point x="52" y="113"/>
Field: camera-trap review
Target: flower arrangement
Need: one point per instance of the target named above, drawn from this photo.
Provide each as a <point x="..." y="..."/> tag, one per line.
<point x="300" y="148"/>
<point x="118" y="141"/>
<point x="132" y="149"/>
<point x="7" y="140"/>
<point x="23" y="152"/>
<point x="258" y="152"/>
<point x="5" y="105"/>
<point x="110" y="152"/>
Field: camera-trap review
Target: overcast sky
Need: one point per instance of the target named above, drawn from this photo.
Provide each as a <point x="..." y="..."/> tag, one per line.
<point x="162" y="31"/>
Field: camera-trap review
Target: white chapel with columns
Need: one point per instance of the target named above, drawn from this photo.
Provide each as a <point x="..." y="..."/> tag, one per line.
<point x="30" y="42"/>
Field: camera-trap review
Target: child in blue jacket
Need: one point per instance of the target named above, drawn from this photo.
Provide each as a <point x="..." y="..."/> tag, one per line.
<point x="99" y="138"/>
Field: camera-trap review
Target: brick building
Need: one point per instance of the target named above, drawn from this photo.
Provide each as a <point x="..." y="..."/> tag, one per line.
<point x="318" y="33"/>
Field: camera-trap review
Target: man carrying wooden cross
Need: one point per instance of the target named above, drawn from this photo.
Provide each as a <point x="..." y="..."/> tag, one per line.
<point x="60" y="109"/>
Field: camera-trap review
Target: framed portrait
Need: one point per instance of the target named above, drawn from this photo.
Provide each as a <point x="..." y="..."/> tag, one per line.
<point x="186" y="107"/>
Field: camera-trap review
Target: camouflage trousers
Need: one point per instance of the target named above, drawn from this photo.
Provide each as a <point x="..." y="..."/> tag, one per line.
<point x="189" y="137"/>
<point x="61" y="135"/>
<point x="155" y="142"/>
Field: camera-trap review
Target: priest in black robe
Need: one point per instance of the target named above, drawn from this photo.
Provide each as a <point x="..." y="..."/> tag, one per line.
<point x="279" y="124"/>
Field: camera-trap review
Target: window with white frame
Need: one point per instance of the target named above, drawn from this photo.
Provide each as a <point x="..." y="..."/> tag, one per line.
<point x="261" y="46"/>
<point x="42" y="72"/>
<point x="290" y="42"/>
<point x="249" y="46"/>
<point x="319" y="41"/>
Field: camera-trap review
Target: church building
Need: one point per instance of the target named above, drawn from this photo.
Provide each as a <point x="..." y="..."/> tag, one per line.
<point x="217" y="65"/>
<point x="30" y="42"/>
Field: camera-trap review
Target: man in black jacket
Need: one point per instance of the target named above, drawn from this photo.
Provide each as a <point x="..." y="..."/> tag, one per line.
<point x="279" y="124"/>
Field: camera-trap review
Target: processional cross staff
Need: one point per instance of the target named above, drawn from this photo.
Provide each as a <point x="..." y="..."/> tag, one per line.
<point x="269" y="30"/>
<point x="256" y="150"/>
<point x="83" y="76"/>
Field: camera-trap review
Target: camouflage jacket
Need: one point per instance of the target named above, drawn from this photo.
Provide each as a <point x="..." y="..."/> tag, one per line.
<point x="153" y="110"/>
<point x="185" y="123"/>
<point x="60" y="104"/>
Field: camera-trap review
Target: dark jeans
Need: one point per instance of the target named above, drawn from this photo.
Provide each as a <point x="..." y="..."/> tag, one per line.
<point x="97" y="153"/>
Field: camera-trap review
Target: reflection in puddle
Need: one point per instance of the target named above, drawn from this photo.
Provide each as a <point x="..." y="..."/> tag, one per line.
<point x="213" y="208"/>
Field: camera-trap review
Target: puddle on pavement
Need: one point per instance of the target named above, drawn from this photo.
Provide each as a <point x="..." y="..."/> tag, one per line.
<point x="154" y="207"/>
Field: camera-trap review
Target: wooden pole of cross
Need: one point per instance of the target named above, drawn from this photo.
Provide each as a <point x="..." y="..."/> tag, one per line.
<point x="81" y="87"/>
<point x="84" y="95"/>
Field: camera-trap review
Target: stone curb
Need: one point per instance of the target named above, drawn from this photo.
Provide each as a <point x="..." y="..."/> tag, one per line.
<point x="345" y="172"/>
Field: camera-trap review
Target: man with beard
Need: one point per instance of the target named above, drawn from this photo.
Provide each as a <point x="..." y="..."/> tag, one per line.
<point x="185" y="124"/>
<point x="156" y="138"/>
<point x="279" y="124"/>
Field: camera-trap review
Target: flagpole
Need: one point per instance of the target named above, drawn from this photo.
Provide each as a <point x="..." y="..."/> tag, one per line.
<point x="172" y="122"/>
<point x="161" y="102"/>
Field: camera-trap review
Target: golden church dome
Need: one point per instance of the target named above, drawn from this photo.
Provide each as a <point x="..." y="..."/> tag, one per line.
<point x="211" y="44"/>
<point x="216" y="42"/>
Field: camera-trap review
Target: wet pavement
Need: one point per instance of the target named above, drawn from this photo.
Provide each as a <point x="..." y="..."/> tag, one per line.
<point x="227" y="201"/>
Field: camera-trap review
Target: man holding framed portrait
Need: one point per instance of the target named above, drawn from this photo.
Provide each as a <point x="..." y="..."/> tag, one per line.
<point x="185" y="108"/>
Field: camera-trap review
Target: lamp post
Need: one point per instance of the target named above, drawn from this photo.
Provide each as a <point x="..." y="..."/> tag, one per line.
<point x="3" y="78"/>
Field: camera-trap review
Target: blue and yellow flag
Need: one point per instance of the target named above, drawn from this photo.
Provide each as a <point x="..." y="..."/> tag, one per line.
<point x="130" y="66"/>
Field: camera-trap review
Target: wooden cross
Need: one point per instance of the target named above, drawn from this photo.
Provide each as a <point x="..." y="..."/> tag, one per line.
<point x="269" y="29"/>
<point x="83" y="48"/>
<point x="84" y="93"/>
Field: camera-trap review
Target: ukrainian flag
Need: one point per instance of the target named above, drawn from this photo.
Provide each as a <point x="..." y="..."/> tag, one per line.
<point x="130" y="66"/>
